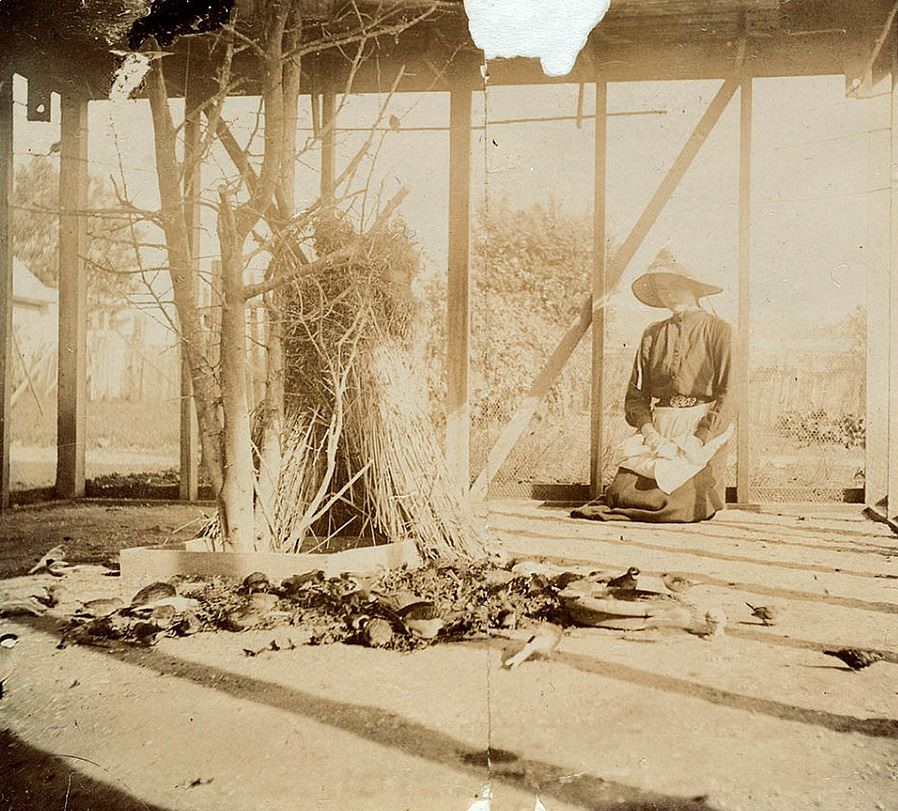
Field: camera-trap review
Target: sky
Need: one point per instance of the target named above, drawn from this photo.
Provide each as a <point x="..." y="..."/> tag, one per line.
<point x="816" y="171"/>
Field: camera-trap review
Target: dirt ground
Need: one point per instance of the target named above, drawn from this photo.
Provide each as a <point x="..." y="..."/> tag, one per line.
<point x="757" y="719"/>
<point x="91" y="533"/>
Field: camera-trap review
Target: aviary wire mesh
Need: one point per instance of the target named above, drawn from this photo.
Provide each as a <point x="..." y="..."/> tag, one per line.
<point x="807" y="424"/>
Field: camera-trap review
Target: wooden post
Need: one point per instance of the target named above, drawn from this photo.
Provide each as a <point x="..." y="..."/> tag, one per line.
<point x="458" y="426"/>
<point x="597" y="432"/>
<point x="892" y="505"/>
<point x="189" y="431"/>
<point x="6" y="276"/>
<point x="742" y="368"/>
<point x="876" y="258"/>
<point x="328" y="148"/>
<point x="71" y="390"/>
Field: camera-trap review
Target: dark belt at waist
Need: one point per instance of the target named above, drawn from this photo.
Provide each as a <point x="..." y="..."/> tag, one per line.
<point x="681" y="401"/>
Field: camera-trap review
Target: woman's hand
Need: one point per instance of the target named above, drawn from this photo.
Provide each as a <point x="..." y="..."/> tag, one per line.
<point x="659" y="445"/>
<point x="691" y="450"/>
<point x="666" y="449"/>
<point x="651" y="436"/>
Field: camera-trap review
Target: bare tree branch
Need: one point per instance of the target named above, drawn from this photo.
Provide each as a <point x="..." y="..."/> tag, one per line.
<point x="332" y="259"/>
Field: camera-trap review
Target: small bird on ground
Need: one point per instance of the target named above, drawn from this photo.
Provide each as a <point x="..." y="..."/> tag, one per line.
<point x="54" y="555"/>
<point x="625" y="581"/>
<point x="856" y="658"/>
<point x="257" y="608"/>
<point x="377" y="632"/>
<point x="422" y="618"/>
<point x="343" y="585"/>
<point x="508" y="619"/>
<point x="542" y="643"/>
<point x="767" y="614"/>
<point x="155" y="591"/>
<point x="394" y="122"/>
<point x="256" y="581"/>
<point x="54" y="596"/>
<point x="101" y="607"/>
<point x="297" y="582"/>
<point x="676" y="583"/>
<point x="419" y="610"/>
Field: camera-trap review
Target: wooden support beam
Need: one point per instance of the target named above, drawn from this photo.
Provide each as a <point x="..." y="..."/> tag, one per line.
<point x="865" y="75"/>
<point x="72" y="387"/>
<point x="189" y="479"/>
<point x="876" y="259"/>
<point x="458" y="426"/>
<point x="673" y="177"/>
<point x="597" y="378"/>
<point x="892" y="502"/>
<point x="742" y="368"/>
<point x="682" y="55"/>
<point x="6" y="277"/>
<point x="615" y="268"/>
<point x="328" y="147"/>
<point x="628" y="60"/>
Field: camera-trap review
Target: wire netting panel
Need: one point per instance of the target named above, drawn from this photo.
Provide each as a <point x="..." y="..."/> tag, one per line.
<point x="33" y="412"/>
<point x="133" y="394"/>
<point x="554" y="449"/>
<point x="807" y="425"/>
<point x="35" y="304"/>
<point x="818" y="220"/>
<point x="531" y="266"/>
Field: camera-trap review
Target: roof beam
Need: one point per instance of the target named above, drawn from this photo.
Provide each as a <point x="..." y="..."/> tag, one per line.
<point x="433" y="63"/>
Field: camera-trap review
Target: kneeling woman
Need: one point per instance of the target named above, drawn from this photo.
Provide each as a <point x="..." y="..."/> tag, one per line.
<point x="673" y="468"/>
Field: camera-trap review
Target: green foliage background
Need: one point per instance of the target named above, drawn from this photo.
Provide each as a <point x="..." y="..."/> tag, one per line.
<point x="36" y="233"/>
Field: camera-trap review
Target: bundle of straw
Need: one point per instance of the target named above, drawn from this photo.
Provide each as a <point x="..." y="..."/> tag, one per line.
<point x="360" y="455"/>
<point x="406" y="489"/>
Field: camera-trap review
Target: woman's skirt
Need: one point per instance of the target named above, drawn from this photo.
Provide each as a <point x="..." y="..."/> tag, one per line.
<point x="648" y="487"/>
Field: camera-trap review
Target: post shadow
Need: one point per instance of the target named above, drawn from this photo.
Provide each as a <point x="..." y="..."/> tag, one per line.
<point x="393" y="731"/>
<point x="31" y="778"/>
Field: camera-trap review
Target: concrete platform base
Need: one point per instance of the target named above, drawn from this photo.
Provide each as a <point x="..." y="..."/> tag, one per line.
<point x="141" y="565"/>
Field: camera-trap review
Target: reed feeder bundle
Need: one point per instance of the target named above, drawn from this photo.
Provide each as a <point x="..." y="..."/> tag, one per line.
<point x="360" y="454"/>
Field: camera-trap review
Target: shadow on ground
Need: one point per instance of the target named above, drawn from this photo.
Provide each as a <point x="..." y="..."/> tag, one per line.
<point x="32" y="779"/>
<point x="393" y="731"/>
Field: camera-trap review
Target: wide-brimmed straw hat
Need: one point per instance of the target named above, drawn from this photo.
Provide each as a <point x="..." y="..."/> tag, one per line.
<point x="666" y="270"/>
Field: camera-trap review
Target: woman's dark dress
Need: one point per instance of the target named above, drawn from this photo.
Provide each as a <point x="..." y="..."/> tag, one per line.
<point x="688" y="354"/>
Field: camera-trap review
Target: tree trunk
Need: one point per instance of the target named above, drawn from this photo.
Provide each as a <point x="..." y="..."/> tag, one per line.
<point x="236" y="498"/>
<point x="183" y="278"/>
<point x="272" y="412"/>
<point x="272" y="417"/>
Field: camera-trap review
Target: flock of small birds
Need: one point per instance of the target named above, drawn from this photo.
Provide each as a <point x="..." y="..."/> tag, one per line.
<point x="404" y="610"/>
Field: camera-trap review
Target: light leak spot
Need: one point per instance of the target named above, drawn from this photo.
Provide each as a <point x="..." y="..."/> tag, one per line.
<point x="553" y="31"/>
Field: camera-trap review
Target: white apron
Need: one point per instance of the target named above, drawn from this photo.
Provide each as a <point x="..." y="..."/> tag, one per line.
<point x="677" y="425"/>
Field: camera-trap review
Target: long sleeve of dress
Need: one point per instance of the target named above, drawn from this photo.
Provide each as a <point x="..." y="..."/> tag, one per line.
<point x="638" y="400"/>
<point x="722" y="412"/>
